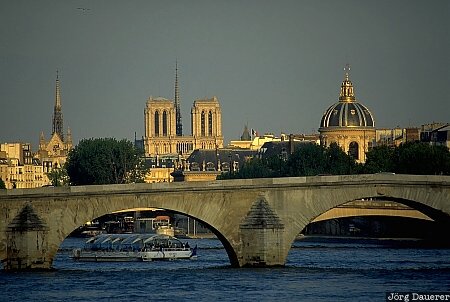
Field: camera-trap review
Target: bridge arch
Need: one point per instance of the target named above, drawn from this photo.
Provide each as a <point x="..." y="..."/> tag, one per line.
<point x="72" y="217"/>
<point x="226" y="244"/>
<point x="432" y="202"/>
<point x="376" y="218"/>
<point x="385" y="207"/>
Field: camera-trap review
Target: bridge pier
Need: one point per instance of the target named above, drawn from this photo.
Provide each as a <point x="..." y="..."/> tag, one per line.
<point x="26" y="242"/>
<point x="262" y="237"/>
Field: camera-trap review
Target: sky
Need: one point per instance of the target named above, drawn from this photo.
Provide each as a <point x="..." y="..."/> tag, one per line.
<point x="274" y="65"/>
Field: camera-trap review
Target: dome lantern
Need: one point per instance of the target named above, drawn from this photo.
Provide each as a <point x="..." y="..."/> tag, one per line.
<point x="347" y="94"/>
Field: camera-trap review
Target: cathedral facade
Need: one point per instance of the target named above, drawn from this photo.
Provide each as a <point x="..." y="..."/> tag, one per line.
<point x="348" y="123"/>
<point x="164" y="130"/>
<point x="160" y="127"/>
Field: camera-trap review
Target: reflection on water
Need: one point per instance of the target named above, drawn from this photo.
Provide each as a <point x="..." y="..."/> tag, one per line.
<point x="324" y="270"/>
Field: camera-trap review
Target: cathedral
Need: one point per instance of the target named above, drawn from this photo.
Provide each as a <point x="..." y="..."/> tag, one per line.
<point x="163" y="127"/>
<point x="53" y="153"/>
<point x="348" y="123"/>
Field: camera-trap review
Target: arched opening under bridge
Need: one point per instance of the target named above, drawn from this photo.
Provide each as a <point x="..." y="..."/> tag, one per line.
<point x="129" y="222"/>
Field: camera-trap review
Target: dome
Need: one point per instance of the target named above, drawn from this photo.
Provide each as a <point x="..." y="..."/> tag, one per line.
<point x="347" y="112"/>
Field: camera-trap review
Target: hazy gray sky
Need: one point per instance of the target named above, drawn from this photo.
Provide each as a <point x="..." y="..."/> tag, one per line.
<point x="276" y="65"/>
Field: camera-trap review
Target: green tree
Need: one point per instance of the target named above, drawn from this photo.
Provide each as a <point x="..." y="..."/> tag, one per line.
<point x="2" y="185"/>
<point x="105" y="161"/>
<point x="338" y="162"/>
<point x="307" y="160"/>
<point x="409" y="158"/>
<point x="253" y="168"/>
<point x="58" y="177"/>
<point x="380" y="159"/>
<point x="422" y="159"/>
<point x="311" y="159"/>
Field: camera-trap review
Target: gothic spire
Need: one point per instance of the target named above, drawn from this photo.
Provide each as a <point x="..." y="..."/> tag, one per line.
<point x="57" y="125"/>
<point x="179" y="125"/>
<point x="58" y="92"/>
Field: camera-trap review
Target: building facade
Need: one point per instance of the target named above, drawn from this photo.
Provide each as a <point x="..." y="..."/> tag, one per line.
<point x="348" y="123"/>
<point x="160" y="168"/>
<point x="436" y="134"/>
<point x="206" y="165"/>
<point x="395" y="137"/>
<point x="19" y="169"/>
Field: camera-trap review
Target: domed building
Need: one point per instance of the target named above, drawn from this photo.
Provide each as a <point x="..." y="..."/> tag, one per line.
<point x="348" y="123"/>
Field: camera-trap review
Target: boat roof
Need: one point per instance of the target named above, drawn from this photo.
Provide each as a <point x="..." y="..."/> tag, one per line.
<point x="128" y="238"/>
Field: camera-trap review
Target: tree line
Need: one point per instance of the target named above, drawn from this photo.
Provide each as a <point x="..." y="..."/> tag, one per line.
<point x="311" y="159"/>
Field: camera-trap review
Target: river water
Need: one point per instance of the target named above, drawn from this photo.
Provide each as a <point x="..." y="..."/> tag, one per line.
<point x="324" y="270"/>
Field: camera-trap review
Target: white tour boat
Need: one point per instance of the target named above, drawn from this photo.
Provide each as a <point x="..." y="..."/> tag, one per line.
<point x="134" y="247"/>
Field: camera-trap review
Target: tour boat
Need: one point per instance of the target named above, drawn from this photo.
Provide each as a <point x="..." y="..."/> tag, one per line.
<point x="135" y="247"/>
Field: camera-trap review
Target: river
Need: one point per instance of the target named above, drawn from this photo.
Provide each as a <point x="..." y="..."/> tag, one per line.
<point x="316" y="270"/>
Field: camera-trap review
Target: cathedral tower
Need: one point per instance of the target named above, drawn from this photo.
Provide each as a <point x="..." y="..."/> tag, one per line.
<point x="164" y="131"/>
<point x="57" y="125"/>
<point x="206" y="119"/>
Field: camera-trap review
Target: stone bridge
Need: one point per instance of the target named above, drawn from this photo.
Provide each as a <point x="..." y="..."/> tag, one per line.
<point x="256" y="219"/>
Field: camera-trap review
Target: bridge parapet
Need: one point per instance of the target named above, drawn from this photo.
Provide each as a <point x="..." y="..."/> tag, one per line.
<point x="309" y="181"/>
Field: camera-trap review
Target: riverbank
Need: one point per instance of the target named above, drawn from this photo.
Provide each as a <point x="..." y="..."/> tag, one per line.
<point x="201" y="236"/>
<point x="387" y="242"/>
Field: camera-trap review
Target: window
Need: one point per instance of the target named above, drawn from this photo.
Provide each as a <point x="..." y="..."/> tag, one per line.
<point x="210" y="166"/>
<point x="202" y="124"/>
<point x="156" y="123"/>
<point x="225" y="167"/>
<point x="353" y="150"/>
<point x="164" y="123"/>
<point x="195" y="166"/>
<point x="210" y="124"/>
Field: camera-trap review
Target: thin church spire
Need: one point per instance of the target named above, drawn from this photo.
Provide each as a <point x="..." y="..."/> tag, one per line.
<point x="58" y="92"/>
<point x="179" y="125"/>
<point x="57" y="123"/>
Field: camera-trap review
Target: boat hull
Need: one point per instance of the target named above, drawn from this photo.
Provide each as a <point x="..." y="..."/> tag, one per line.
<point x="103" y="256"/>
<point x="165" y="255"/>
<point x="90" y="256"/>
